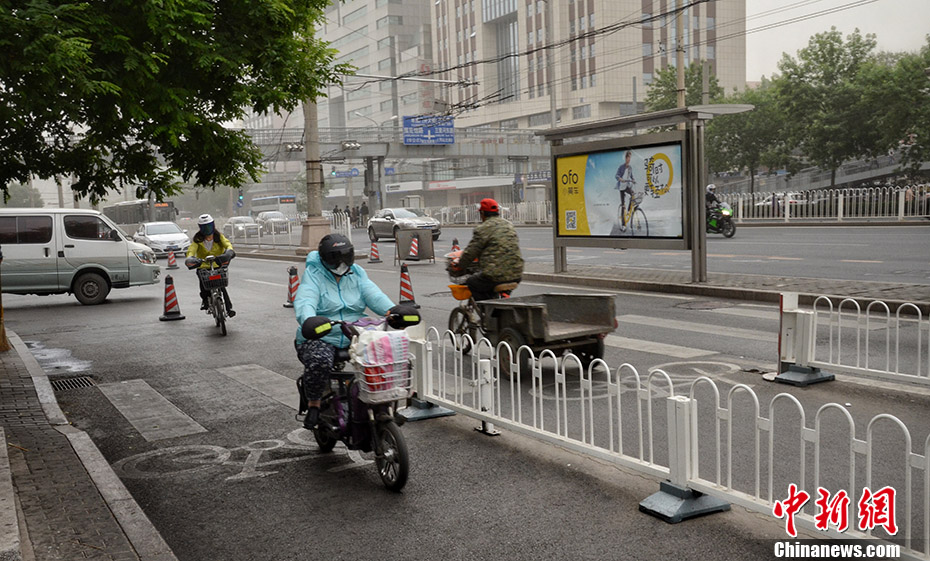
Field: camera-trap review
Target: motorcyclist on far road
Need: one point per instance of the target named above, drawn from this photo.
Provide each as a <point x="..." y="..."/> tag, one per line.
<point x="209" y="241"/>
<point x="496" y="247"/>
<point x="711" y="202"/>
<point x="335" y="287"/>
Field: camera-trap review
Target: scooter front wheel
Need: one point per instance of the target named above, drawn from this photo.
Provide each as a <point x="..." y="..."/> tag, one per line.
<point x="392" y="458"/>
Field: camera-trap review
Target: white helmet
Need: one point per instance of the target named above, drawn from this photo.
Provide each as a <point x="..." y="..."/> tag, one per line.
<point x="711" y="188"/>
<point x="205" y="222"/>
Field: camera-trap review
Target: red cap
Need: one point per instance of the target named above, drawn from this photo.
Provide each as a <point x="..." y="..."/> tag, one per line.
<point x="488" y="205"/>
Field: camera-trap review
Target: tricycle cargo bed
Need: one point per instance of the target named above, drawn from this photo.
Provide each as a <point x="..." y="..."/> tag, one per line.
<point x="551" y="317"/>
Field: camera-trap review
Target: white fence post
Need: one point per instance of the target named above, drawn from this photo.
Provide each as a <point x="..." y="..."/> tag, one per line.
<point x="675" y="501"/>
<point x="901" y="204"/>
<point x="839" y="206"/>
<point x="421" y="355"/>
<point x="795" y="345"/>
<point x="486" y="396"/>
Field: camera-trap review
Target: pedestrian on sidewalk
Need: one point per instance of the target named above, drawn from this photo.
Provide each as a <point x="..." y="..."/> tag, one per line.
<point x="363" y="212"/>
<point x="355" y="216"/>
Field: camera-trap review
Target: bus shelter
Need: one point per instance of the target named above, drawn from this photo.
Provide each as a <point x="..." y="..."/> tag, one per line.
<point x="615" y="188"/>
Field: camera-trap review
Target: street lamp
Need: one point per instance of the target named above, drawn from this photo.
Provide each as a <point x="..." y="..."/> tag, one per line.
<point x="377" y="125"/>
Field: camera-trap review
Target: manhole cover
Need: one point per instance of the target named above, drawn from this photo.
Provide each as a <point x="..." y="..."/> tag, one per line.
<point x="703" y="305"/>
<point x="77" y="383"/>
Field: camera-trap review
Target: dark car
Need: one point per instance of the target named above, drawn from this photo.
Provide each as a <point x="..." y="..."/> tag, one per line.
<point x="241" y="227"/>
<point x="273" y="222"/>
<point x="387" y="221"/>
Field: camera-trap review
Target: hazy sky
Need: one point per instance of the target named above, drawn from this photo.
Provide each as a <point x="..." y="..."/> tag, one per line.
<point x="900" y="25"/>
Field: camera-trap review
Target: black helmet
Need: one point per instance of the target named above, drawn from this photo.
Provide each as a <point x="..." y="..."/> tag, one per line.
<point x="337" y="253"/>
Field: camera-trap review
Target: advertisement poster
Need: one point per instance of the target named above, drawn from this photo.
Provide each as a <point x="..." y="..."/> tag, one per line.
<point x="633" y="192"/>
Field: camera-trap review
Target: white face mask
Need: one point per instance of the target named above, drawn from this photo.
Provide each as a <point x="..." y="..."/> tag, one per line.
<point x="340" y="270"/>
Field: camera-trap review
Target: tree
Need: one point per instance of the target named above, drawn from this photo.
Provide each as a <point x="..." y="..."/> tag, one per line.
<point x="23" y="196"/>
<point x="663" y="93"/>
<point x="819" y="93"/>
<point x="749" y="140"/>
<point x="897" y="88"/>
<point x="134" y="93"/>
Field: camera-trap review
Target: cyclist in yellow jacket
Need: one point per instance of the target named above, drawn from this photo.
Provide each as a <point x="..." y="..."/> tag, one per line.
<point x="208" y="241"/>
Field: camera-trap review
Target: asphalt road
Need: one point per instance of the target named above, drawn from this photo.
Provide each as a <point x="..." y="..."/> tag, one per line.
<point x="875" y="253"/>
<point x="248" y="484"/>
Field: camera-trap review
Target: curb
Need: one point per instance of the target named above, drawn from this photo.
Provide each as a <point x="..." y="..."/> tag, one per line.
<point x="10" y="545"/>
<point x="141" y="533"/>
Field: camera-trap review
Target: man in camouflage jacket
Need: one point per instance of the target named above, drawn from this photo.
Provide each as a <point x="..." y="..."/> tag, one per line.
<point x="496" y="247"/>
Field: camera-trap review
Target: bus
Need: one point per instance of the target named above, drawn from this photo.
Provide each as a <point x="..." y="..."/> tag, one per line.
<point x="286" y="204"/>
<point x="128" y="215"/>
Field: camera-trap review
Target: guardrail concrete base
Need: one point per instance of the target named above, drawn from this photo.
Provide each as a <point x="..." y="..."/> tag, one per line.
<point x="803" y="376"/>
<point x="674" y="504"/>
<point x="419" y="410"/>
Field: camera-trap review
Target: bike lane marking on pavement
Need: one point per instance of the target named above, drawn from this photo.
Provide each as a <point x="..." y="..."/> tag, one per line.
<point x="654" y="347"/>
<point x="704" y="328"/>
<point x="148" y="411"/>
<point x="266" y="382"/>
<point x="281" y="284"/>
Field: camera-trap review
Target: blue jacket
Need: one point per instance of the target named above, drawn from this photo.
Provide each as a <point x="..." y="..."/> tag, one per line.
<point x="320" y="295"/>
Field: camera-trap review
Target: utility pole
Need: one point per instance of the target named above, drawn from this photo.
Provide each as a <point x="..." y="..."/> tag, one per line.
<point x="553" y="112"/>
<point x="315" y="226"/>
<point x="680" y="58"/>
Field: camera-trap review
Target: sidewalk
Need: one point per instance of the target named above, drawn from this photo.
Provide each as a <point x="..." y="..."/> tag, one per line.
<point x="59" y="498"/>
<point x="760" y="288"/>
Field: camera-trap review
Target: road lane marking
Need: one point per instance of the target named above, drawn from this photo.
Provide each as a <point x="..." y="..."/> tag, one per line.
<point x="776" y="258"/>
<point x="707" y="329"/>
<point x="279" y="284"/>
<point x="266" y="382"/>
<point x="653" y="347"/>
<point x="148" y="411"/>
<point x="747" y="313"/>
<point x="859" y="261"/>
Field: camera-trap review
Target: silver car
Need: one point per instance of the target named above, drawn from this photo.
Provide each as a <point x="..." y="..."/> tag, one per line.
<point x="387" y="221"/>
<point x="272" y="222"/>
<point x="163" y="238"/>
<point x="241" y="227"/>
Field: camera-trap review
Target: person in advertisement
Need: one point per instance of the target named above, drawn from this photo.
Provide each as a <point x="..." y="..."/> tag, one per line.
<point x="625" y="184"/>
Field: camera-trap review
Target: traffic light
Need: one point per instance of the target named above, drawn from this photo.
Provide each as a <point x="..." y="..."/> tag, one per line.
<point x="240" y="195"/>
<point x="332" y="171"/>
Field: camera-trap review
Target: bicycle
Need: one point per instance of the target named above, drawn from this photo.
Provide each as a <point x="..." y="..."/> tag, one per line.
<point x="467" y="318"/>
<point x="215" y="279"/>
<point x="634" y="217"/>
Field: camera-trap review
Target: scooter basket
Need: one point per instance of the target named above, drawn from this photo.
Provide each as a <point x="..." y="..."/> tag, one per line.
<point x="383" y="383"/>
<point x="214" y="278"/>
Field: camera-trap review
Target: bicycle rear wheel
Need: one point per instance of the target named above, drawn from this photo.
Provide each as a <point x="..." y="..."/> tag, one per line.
<point x="638" y="224"/>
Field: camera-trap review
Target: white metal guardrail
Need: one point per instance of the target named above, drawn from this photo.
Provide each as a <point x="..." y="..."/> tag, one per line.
<point x="874" y="203"/>
<point x="721" y="445"/>
<point x="859" y="340"/>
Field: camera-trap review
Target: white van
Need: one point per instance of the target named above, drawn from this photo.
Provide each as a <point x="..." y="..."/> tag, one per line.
<point x="60" y="250"/>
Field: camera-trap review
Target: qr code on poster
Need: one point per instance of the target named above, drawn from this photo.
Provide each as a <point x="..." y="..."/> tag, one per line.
<point x="571" y="220"/>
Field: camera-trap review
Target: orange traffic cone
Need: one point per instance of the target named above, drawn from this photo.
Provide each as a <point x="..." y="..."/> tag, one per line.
<point x="406" y="288"/>
<point x="172" y="307"/>
<point x="455" y="245"/>
<point x="292" y="285"/>
<point x="414" y="253"/>
<point x="373" y="256"/>
<point x="172" y="264"/>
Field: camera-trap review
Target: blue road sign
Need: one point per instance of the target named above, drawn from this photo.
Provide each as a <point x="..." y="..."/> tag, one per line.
<point x="389" y="171"/>
<point x="348" y="173"/>
<point x="239" y="203"/>
<point x="429" y="130"/>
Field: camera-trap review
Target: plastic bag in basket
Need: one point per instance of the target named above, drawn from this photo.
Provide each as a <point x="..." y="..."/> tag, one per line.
<point x="382" y="355"/>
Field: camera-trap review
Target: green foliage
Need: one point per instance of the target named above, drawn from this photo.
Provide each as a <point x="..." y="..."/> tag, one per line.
<point x="134" y="92"/>
<point x="820" y="96"/>
<point x="749" y="140"/>
<point x="23" y="196"/>
<point x="663" y="93"/>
